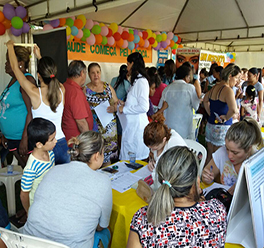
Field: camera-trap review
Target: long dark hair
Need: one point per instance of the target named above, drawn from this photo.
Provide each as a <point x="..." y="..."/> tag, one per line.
<point x="154" y="76"/>
<point x="251" y="92"/>
<point x="138" y="66"/>
<point x="121" y="77"/>
<point x="47" y="69"/>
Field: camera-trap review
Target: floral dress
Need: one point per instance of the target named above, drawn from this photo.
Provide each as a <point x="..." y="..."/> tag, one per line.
<point x="109" y="133"/>
<point x="250" y="108"/>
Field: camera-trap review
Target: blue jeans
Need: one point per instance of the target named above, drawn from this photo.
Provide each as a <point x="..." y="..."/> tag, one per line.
<point x="61" y="152"/>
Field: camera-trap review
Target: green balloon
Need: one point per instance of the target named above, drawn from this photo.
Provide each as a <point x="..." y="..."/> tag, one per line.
<point x="131" y="31"/>
<point x="86" y="32"/>
<point x="69" y="22"/>
<point x="96" y="29"/>
<point x="104" y="41"/>
<point x="83" y="38"/>
<point x="17" y="22"/>
<point x="158" y="38"/>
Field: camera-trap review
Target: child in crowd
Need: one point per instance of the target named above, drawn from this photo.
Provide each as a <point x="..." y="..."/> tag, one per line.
<point x="41" y="135"/>
<point x="249" y="104"/>
<point x="152" y="88"/>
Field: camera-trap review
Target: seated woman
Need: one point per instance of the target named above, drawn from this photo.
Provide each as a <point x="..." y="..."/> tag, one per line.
<point x="73" y="200"/>
<point x="175" y="217"/>
<point x="242" y="140"/>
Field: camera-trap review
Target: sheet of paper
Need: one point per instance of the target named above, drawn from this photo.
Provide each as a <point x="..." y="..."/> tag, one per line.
<point x="214" y="186"/>
<point x="122" y="168"/>
<point x="124" y="181"/>
<point x="143" y="172"/>
<point x="122" y="118"/>
<point x="102" y="114"/>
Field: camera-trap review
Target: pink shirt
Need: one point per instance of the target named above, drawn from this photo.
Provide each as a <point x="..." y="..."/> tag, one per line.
<point x="157" y="95"/>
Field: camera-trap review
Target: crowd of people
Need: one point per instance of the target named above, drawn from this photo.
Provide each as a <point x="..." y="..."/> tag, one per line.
<point x="55" y="131"/>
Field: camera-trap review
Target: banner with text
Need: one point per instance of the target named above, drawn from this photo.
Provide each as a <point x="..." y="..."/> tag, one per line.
<point x="188" y="55"/>
<point x="100" y="53"/>
<point x="207" y="58"/>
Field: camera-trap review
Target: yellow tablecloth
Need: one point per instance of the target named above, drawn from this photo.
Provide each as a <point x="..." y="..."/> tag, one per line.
<point x="125" y="206"/>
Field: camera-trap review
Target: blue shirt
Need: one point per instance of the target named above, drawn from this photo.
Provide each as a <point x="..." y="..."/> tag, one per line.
<point x="122" y="89"/>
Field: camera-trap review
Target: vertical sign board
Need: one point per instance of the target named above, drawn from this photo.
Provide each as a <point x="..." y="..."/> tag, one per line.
<point x="162" y="57"/>
<point x="190" y="55"/>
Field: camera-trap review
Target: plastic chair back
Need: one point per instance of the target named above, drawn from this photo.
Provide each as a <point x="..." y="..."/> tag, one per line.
<point x="18" y="240"/>
<point x="199" y="151"/>
<point x="197" y="119"/>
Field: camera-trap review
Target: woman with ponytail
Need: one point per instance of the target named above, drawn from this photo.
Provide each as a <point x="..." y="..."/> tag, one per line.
<point x="175" y="216"/>
<point x="47" y="100"/>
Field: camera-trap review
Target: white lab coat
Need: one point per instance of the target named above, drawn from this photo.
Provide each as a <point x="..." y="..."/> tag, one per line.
<point x="134" y="120"/>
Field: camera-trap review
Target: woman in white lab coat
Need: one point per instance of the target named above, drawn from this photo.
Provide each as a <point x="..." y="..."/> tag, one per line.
<point x="133" y="113"/>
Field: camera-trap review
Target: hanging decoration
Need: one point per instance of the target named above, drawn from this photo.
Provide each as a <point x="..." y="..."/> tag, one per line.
<point x="231" y="57"/>
<point x="13" y="19"/>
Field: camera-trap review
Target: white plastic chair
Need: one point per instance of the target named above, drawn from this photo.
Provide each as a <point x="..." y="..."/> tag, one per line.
<point x="197" y="147"/>
<point x="197" y="119"/>
<point x="18" y="240"/>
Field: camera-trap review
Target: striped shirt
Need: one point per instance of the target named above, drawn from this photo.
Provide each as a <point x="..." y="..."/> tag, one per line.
<point x="34" y="172"/>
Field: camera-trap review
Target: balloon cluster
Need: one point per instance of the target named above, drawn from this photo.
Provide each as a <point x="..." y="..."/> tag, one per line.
<point x="81" y="29"/>
<point x="13" y="18"/>
<point x="231" y="57"/>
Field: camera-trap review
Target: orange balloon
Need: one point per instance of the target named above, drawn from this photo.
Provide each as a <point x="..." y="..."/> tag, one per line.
<point x="76" y="39"/>
<point x="120" y="43"/>
<point x="130" y="37"/>
<point x="172" y="43"/>
<point x="62" y="22"/>
<point x="180" y="46"/>
<point x="98" y="39"/>
<point x="78" y="23"/>
<point x="2" y="17"/>
<point x="7" y="23"/>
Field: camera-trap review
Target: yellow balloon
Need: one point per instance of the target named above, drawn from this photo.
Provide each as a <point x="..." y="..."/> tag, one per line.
<point x="155" y="44"/>
<point x="82" y="17"/>
<point x="114" y="27"/>
<point x="149" y="33"/>
<point x="154" y="35"/>
<point x="164" y="36"/>
<point x="68" y="30"/>
<point x="101" y="24"/>
<point x="71" y="37"/>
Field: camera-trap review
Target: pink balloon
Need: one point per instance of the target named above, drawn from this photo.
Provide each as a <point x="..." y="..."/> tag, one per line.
<point x="73" y="17"/>
<point x="90" y="40"/>
<point x="168" y="42"/>
<point x="47" y="27"/>
<point x="68" y="37"/>
<point x="80" y="34"/>
<point x="89" y="24"/>
<point x="126" y="29"/>
<point x="25" y="28"/>
<point x="170" y="36"/>
<point x="120" y="30"/>
<point x="104" y="30"/>
<point x="146" y="43"/>
<point x="125" y="44"/>
<point x="140" y="33"/>
<point x="16" y="32"/>
<point x="111" y="41"/>
<point x="21" y="12"/>
<point x="157" y="32"/>
<point x="96" y="23"/>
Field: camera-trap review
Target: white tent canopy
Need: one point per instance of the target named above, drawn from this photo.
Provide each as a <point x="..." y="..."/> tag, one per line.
<point x="226" y="25"/>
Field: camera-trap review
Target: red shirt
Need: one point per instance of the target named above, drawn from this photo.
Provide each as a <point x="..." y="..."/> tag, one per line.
<point x="157" y="95"/>
<point x="76" y="107"/>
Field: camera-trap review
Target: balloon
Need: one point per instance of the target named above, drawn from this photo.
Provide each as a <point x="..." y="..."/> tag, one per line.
<point x="149" y="32"/>
<point x="55" y="23"/>
<point x="47" y="27"/>
<point x="117" y="36"/>
<point x="110" y="32"/>
<point x="74" y="30"/>
<point x="173" y="51"/>
<point x="164" y="37"/>
<point x="175" y="38"/>
<point x="2" y="17"/>
<point x="120" y="43"/>
<point x="86" y="33"/>
<point x="140" y="34"/>
<point x="114" y="27"/>
<point x="146" y="43"/>
<point x="2" y="29"/>
<point x="168" y="42"/>
<point x="111" y="41"/>
<point x="126" y="29"/>
<point x="96" y="23"/>
<point x="82" y="17"/>
<point x="91" y="39"/>
<point x="157" y="32"/>
<point x="120" y="30"/>
<point x="157" y="47"/>
<point x="131" y="31"/>
<point x="68" y="30"/>
<point x="9" y="11"/>
<point x="16" y="32"/>
<point x="80" y="34"/>
<point x="104" y="31"/>
<point x="136" y="38"/>
<point x="83" y="38"/>
<point x="21" y="12"/>
<point x="62" y="21"/>
<point x="101" y="24"/>
<point x="7" y="24"/>
<point x="130" y="37"/>
<point x="131" y="45"/>
<point x="164" y="44"/>
<point x="151" y="40"/>
<point x="155" y="44"/>
<point x="78" y="23"/>
<point x="145" y="35"/>
<point x="231" y="56"/>
<point x="96" y="29"/>
<point x="136" y="46"/>
<point x="104" y="41"/>
<point x="179" y="40"/>
<point x="125" y="44"/>
<point x="17" y="22"/>
<point x="175" y="46"/>
<point x="141" y="42"/>
<point x="98" y="39"/>
<point x="170" y="36"/>
<point x="159" y="38"/>
<point x="172" y="43"/>
<point x="89" y="24"/>
<point x="135" y="31"/>
<point x="69" y="22"/>
<point x="68" y="37"/>
<point x="180" y="46"/>
<point x="76" y="39"/>
<point x="73" y="18"/>
<point x="25" y="28"/>
<point x="71" y="37"/>
<point x="125" y="35"/>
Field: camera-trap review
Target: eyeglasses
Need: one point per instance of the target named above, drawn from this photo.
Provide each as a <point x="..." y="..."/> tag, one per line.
<point x="4" y="93"/>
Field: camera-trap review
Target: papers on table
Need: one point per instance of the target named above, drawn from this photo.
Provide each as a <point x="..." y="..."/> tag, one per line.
<point x="215" y="186"/>
<point x="103" y="115"/>
<point x="143" y="172"/>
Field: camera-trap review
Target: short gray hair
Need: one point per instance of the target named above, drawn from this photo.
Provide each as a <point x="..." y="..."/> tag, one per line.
<point x="75" y="68"/>
<point x="179" y="167"/>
